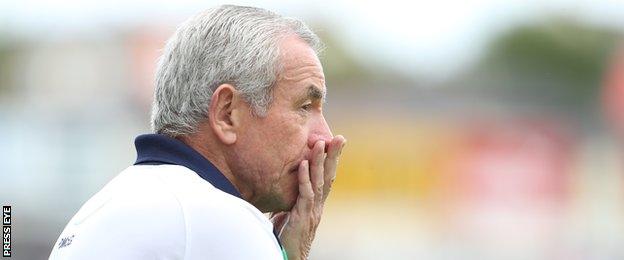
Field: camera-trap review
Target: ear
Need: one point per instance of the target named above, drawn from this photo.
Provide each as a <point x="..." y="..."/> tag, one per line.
<point x="223" y="113"/>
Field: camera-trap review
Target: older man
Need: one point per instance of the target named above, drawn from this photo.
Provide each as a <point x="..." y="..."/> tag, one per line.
<point x="239" y="130"/>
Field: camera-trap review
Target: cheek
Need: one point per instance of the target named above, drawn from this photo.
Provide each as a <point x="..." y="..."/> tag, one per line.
<point x="291" y="189"/>
<point x="291" y="142"/>
<point x="274" y="145"/>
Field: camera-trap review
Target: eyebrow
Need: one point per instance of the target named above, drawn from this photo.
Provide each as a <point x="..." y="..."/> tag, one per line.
<point x="315" y="92"/>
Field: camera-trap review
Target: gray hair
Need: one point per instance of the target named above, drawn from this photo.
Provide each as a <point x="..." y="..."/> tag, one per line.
<point x="227" y="44"/>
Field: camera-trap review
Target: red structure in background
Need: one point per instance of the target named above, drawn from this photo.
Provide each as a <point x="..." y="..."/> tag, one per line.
<point x="510" y="183"/>
<point x="145" y="45"/>
<point x="514" y="163"/>
<point x="613" y="93"/>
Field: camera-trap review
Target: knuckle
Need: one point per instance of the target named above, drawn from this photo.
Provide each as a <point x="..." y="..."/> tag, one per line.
<point x="320" y="161"/>
<point x="319" y="189"/>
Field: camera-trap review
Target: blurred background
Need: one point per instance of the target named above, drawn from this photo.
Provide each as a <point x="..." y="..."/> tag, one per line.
<point x="477" y="129"/>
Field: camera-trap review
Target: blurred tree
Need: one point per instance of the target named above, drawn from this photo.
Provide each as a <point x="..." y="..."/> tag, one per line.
<point x="339" y="64"/>
<point x="5" y="67"/>
<point x="344" y="69"/>
<point x="10" y="47"/>
<point x="558" y="63"/>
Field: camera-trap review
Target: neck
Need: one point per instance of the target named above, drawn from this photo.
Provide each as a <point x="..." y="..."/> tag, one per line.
<point x="208" y="148"/>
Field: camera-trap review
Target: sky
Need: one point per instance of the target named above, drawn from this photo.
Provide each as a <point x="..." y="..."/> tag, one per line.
<point x="434" y="38"/>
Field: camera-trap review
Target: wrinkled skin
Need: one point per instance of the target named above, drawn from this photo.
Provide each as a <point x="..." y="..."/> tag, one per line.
<point x="291" y="151"/>
<point x="283" y="162"/>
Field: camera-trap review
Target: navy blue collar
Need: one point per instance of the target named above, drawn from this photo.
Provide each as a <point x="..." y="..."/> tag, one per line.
<point x="155" y="149"/>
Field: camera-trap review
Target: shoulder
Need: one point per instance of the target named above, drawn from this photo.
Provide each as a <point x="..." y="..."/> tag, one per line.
<point x="132" y="217"/>
<point x="166" y="211"/>
<point x="219" y="225"/>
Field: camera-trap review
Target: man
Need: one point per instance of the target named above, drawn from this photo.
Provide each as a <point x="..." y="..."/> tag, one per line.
<point x="239" y="131"/>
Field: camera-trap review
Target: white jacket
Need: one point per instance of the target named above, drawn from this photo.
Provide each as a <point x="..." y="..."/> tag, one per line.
<point x="172" y="204"/>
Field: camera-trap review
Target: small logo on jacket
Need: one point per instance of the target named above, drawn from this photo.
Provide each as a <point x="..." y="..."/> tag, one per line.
<point x="66" y="241"/>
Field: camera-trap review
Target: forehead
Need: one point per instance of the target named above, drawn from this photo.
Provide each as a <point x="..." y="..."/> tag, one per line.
<point x="300" y="64"/>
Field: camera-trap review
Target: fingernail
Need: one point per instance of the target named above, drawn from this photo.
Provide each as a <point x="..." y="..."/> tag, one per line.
<point x="342" y="146"/>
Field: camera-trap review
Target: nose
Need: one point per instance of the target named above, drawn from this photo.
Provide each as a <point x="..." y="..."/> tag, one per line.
<point x="319" y="131"/>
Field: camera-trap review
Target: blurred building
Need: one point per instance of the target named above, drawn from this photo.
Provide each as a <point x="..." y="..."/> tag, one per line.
<point x="508" y="159"/>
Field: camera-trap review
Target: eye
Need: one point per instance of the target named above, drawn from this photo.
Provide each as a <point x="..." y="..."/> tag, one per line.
<point x="307" y="106"/>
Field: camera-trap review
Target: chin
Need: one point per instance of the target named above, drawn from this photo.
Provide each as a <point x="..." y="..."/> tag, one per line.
<point x="289" y="204"/>
<point x="284" y="203"/>
<point x="275" y="203"/>
<point x="285" y="197"/>
<point x="280" y="197"/>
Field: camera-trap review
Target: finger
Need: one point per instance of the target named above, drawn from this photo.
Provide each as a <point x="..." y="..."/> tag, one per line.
<point x="331" y="162"/>
<point x="305" y="200"/>
<point x="316" y="170"/>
